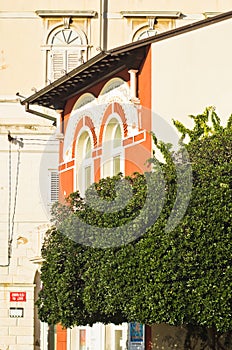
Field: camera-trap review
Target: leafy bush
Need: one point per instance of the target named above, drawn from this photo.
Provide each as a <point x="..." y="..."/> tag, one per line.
<point x="181" y="276"/>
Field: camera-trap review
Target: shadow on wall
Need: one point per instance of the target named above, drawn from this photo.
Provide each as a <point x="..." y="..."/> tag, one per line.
<point x="166" y="337"/>
<point x="37" y="283"/>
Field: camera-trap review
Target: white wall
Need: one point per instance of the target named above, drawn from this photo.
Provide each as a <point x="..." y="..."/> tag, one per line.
<point x="193" y="71"/>
<point x="30" y="216"/>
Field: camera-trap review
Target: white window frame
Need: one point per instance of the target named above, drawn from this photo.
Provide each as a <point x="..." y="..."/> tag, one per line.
<point x="63" y="52"/>
<point x="82" y="162"/>
<point x="124" y="330"/>
<point x="109" y="151"/>
<point x="53" y="186"/>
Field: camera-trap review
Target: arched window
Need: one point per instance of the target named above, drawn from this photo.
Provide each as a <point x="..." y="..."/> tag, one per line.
<point x="84" y="162"/>
<point x="144" y="32"/>
<point x="87" y="163"/>
<point x="153" y="27"/>
<point x="117" y="145"/>
<point x="67" y="50"/>
<point x="112" y="156"/>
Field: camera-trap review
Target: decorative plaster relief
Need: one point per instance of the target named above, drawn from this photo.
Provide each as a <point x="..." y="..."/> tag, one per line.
<point x="114" y="91"/>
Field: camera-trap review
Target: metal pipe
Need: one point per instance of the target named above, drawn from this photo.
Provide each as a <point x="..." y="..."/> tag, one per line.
<point x="39" y="114"/>
<point x="103" y="24"/>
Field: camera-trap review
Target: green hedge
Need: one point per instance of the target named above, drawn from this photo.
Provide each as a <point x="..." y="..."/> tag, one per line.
<point x="179" y="276"/>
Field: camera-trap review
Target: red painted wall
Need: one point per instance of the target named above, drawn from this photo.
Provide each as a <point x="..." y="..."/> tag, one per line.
<point x="144" y="82"/>
<point x="66" y="180"/>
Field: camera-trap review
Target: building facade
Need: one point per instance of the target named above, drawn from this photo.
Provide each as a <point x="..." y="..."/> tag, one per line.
<point x="44" y="48"/>
<point x="110" y="104"/>
<point x="29" y="185"/>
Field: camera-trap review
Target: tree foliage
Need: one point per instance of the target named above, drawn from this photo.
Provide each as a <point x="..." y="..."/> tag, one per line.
<point x="180" y="277"/>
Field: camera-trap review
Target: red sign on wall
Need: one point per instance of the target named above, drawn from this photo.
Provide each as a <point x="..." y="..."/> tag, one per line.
<point x="17" y="296"/>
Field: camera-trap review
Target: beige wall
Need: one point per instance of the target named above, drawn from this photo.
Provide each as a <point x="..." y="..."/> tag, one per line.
<point x="22" y="55"/>
<point x="23" y="33"/>
<point x="32" y="5"/>
<point x="192" y="6"/>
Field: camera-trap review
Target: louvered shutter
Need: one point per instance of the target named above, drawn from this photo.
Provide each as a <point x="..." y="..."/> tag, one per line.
<point x="57" y="64"/>
<point x="63" y="62"/>
<point x="73" y="60"/>
<point x="54" y="186"/>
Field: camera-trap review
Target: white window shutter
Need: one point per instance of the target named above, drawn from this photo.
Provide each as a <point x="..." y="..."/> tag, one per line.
<point x="67" y="50"/>
<point x="63" y="62"/>
<point x="54" y="186"/>
<point x="73" y="60"/>
<point x="57" y="64"/>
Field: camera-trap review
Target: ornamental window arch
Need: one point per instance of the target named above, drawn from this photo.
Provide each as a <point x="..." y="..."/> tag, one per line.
<point x="84" y="101"/>
<point x="153" y="27"/>
<point x="66" y="48"/>
<point x="116" y="89"/>
<point x="143" y="32"/>
<point x="112" y="84"/>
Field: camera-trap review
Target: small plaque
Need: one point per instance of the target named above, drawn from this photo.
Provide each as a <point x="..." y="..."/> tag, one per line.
<point x="17" y="296"/>
<point x="16" y="312"/>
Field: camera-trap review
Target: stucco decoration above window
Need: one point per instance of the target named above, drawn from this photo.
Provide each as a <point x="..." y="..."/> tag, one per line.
<point x="86" y="105"/>
<point x="83" y="102"/>
<point x="153" y="27"/>
<point x="115" y="90"/>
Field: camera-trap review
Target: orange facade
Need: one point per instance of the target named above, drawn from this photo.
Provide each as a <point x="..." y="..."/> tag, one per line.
<point x="61" y="338"/>
<point x="136" y="144"/>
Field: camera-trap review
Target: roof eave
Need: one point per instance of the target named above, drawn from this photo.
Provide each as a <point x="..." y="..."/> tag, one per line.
<point x="116" y="52"/>
<point x="64" y="78"/>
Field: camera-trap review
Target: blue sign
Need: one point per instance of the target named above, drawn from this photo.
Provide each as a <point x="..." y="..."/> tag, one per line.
<point x="136" y="336"/>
